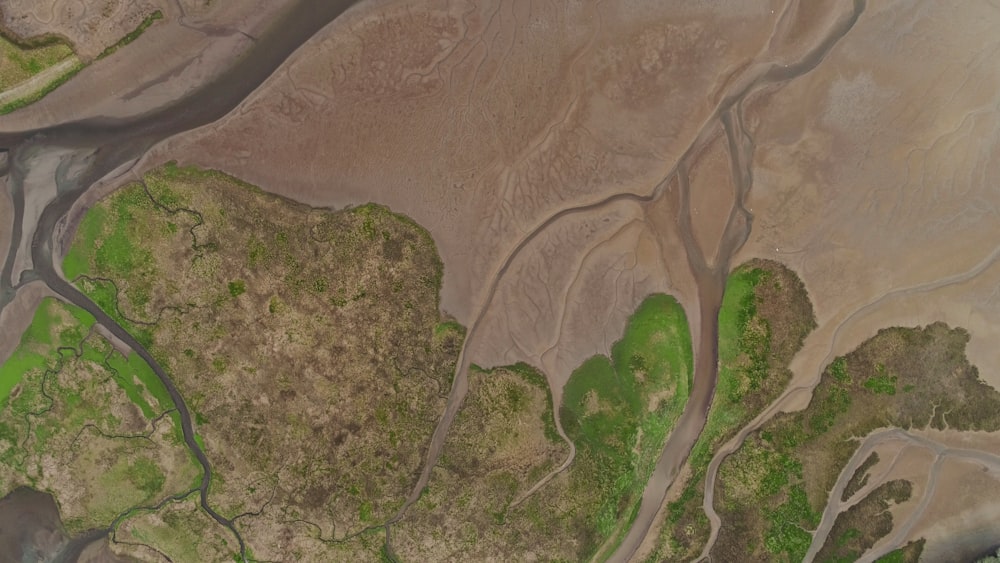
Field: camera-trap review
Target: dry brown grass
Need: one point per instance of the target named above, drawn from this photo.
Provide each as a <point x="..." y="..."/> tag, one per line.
<point x="772" y="490"/>
<point x="860" y="477"/>
<point x="857" y="529"/>
<point x="307" y="342"/>
<point x="500" y="445"/>
<point x="776" y="318"/>
<point x="69" y="428"/>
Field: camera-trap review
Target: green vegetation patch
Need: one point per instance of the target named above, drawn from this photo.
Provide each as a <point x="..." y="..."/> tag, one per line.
<point x="54" y="326"/>
<point x="237" y="288"/>
<point x="909" y="553"/>
<point x="77" y="421"/>
<point x="765" y="316"/>
<point x="324" y="341"/>
<point x="19" y="63"/>
<point x="806" y="450"/>
<point x="618" y="411"/>
<point x="857" y="529"/>
<point x="134" y="34"/>
<point x="141" y="384"/>
<point x="43" y="91"/>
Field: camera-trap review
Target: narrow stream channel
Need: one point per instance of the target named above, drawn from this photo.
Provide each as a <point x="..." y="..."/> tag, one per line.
<point x="118" y="142"/>
<point x="711" y="279"/>
<point x="115" y="143"/>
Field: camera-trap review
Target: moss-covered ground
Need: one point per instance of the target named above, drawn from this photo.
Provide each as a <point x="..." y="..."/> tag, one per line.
<point x="772" y="491"/>
<point x="21" y="62"/>
<point x="86" y="423"/>
<point x="307" y="343"/>
<point x="617" y="410"/>
<point x="765" y="316"/>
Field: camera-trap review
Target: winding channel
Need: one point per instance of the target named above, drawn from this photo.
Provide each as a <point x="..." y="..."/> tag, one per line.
<point x="941" y="452"/>
<point x="711" y="280"/>
<point x="109" y="145"/>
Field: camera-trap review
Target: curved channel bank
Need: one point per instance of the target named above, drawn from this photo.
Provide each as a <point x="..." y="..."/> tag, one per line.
<point x="110" y="144"/>
<point x="711" y="279"/>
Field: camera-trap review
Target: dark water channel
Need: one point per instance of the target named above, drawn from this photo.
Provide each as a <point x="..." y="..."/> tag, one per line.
<point x="29" y="520"/>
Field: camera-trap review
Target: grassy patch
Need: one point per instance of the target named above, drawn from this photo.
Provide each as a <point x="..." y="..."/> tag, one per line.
<point x="53" y="326"/>
<point x="77" y="424"/>
<point x="852" y="399"/>
<point x="133" y="35"/>
<point x="237" y="288"/>
<point x="42" y="92"/>
<point x="19" y="63"/>
<point x="764" y="318"/>
<point x="619" y="410"/>
<point x="882" y="382"/>
<point x="909" y="553"/>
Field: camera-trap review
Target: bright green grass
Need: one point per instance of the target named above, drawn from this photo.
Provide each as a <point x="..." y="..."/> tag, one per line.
<point x="619" y="410"/>
<point x="738" y="307"/>
<point x="21" y="362"/>
<point x="91" y="227"/>
<point x="18" y="64"/>
<point x="103" y="246"/>
<point x="135" y="376"/>
<point x="726" y="414"/>
<point x="37" y="349"/>
<point x="104" y="239"/>
<point x="745" y="383"/>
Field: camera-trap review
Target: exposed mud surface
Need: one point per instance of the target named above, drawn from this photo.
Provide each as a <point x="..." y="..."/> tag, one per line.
<point x="30" y="530"/>
<point x="569" y="160"/>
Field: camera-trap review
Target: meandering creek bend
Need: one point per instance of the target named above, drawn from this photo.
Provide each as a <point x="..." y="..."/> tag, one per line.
<point x="109" y="144"/>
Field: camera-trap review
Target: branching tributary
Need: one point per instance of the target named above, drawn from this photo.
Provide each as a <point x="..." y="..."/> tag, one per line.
<point x="113" y="144"/>
<point x="108" y="145"/>
<point x="710" y="278"/>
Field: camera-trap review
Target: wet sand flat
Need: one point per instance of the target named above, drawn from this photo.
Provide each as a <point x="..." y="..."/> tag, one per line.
<point x="30" y="529"/>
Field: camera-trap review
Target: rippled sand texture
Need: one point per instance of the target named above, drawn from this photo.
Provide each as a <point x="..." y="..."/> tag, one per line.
<point x="538" y="143"/>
